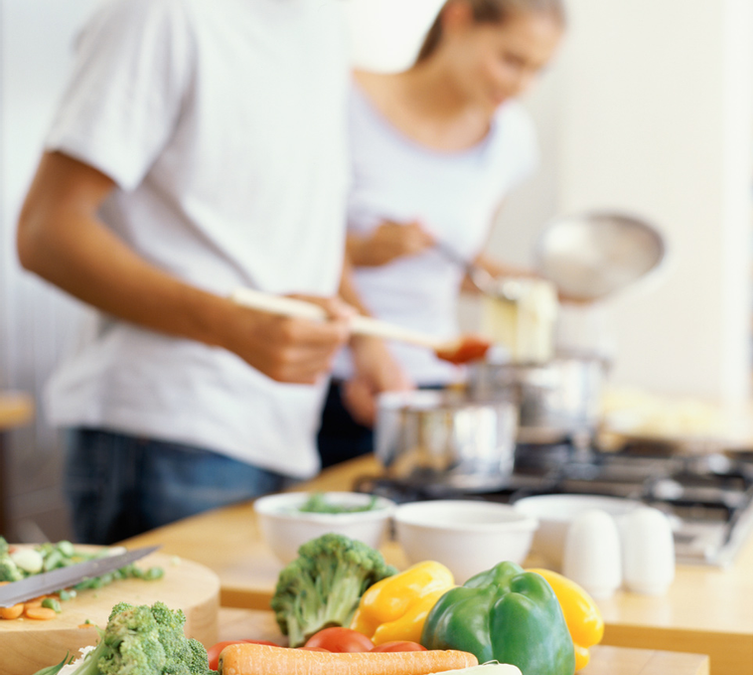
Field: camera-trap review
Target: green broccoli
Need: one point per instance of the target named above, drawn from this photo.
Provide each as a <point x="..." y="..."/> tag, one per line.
<point x="322" y="587"/>
<point x="142" y="640"/>
<point x="8" y="569"/>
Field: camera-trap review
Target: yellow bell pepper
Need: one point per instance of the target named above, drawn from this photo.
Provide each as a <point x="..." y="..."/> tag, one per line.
<point x="582" y="616"/>
<point x="396" y="608"/>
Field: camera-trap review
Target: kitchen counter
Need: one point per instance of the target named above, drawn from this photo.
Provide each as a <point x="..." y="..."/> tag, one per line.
<point x="239" y="624"/>
<point x="707" y="610"/>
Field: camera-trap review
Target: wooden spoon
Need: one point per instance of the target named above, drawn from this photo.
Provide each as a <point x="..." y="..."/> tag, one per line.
<point x="462" y="350"/>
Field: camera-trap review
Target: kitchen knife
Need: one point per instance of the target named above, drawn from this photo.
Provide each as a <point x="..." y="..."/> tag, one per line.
<point x="49" y="582"/>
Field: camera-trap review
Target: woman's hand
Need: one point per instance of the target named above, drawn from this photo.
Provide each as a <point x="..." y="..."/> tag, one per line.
<point x="376" y="371"/>
<point x="389" y="241"/>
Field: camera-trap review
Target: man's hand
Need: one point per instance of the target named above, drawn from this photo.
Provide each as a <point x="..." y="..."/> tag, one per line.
<point x="389" y="241"/>
<point x="285" y="349"/>
<point x="376" y="371"/>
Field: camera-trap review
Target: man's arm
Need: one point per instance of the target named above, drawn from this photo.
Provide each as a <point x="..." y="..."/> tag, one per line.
<point x="61" y="239"/>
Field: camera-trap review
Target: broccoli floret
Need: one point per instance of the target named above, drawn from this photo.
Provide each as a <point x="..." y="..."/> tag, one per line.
<point x="8" y="569"/>
<point x="144" y="640"/>
<point x="322" y="587"/>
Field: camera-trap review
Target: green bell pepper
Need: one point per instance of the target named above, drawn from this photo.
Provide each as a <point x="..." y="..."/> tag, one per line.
<point x="507" y="615"/>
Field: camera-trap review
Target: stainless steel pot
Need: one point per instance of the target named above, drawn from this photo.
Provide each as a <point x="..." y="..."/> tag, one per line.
<point x="557" y="400"/>
<point x="445" y="439"/>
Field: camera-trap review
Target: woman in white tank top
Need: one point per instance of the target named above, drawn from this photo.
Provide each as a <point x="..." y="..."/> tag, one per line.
<point x="435" y="149"/>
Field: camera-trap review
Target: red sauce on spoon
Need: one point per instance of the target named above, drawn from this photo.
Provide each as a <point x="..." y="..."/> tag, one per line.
<point x="467" y="348"/>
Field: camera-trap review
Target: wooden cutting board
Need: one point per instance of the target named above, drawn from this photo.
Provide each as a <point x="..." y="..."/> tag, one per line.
<point x="27" y="645"/>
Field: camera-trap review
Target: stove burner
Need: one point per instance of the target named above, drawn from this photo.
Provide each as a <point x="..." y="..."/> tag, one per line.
<point x="709" y="499"/>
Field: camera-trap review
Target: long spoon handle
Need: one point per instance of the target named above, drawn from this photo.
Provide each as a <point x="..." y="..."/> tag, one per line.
<point x="360" y="325"/>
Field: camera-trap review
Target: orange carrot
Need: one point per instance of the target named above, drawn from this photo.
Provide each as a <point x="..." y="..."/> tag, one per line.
<point x="30" y="604"/>
<point x="39" y="613"/>
<point x="12" y="612"/>
<point x="253" y="659"/>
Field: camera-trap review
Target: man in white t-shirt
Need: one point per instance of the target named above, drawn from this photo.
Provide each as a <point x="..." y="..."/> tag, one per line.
<point x="199" y="147"/>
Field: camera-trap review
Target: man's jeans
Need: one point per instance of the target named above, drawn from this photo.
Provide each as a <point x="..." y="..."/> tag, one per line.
<point x="120" y="486"/>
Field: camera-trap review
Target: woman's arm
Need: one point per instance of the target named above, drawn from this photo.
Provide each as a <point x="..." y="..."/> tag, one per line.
<point x="61" y="239"/>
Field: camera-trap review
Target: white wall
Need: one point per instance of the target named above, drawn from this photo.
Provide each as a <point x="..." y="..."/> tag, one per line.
<point x="656" y="117"/>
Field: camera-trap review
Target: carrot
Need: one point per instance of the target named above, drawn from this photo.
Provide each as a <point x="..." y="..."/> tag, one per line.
<point x="39" y="613"/>
<point x="31" y="604"/>
<point x="253" y="659"/>
<point x="12" y="612"/>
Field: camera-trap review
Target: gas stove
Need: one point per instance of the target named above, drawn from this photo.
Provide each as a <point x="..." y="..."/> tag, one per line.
<point x="708" y="498"/>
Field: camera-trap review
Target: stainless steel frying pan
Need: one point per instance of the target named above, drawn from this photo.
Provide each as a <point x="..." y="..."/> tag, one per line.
<point x="591" y="256"/>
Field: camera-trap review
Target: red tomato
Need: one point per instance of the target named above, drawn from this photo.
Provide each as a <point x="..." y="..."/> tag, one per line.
<point x="214" y="652"/>
<point x="399" y="646"/>
<point x="337" y="639"/>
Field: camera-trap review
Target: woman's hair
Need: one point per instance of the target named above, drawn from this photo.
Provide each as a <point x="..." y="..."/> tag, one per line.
<point x="491" y="11"/>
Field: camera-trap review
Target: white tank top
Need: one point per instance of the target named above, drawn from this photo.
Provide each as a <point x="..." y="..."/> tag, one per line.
<point x="454" y="194"/>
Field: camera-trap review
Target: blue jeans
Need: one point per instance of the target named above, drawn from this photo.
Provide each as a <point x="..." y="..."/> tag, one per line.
<point x="119" y="486"/>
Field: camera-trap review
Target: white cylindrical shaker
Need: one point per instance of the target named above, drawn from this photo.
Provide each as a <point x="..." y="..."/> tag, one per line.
<point x="593" y="555"/>
<point x="648" y="551"/>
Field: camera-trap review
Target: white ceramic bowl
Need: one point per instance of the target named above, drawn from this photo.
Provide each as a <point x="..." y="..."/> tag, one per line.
<point x="466" y="536"/>
<point x="556" y="512"/>
<point x="285" y="528"/>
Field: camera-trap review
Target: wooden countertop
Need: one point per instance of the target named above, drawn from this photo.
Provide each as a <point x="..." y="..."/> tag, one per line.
<point x="239" y="624"/>
<point x="16" y="409"/>
<point x="707" y="610"/>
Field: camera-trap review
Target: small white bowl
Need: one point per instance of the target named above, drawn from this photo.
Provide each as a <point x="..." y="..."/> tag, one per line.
<point x="556" y="512"/>
<point x="466" y="536"/>
<point x="285" y="528"/>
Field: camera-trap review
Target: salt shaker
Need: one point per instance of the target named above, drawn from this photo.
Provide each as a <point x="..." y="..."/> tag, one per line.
<point x="648" y="552"/>
<point x="593" y="556"/>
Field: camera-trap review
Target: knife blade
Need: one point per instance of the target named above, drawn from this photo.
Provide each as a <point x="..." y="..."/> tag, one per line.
<point x="49" y="582"/>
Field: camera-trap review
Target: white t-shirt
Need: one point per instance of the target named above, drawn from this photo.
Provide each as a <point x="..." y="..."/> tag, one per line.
<point x="454" y="194"/>
<point x="222" y="123"/>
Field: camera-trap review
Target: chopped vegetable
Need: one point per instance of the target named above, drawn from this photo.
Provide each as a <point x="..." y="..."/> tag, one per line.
<point x="39" y="613"/>
<point x="12" y="612"/>
<point x="53" y="604"/>
<point x="22" y="562"/>
<point x="251" y="659"/>
<point x="323" y="585"/>
<point x="396" y="608"/>
<point x="28" y="560"/>
<point x="317" y="503"/>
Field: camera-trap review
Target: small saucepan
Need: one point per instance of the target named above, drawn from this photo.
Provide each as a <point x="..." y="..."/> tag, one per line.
<point x="445" y="439"/>
<point x="558" y="400"/>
